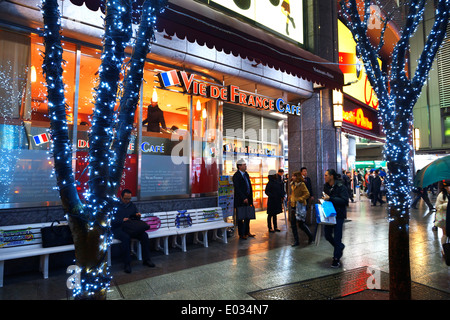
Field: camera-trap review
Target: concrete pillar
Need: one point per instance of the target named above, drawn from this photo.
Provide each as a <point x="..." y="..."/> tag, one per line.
<point x="312" y="139"/>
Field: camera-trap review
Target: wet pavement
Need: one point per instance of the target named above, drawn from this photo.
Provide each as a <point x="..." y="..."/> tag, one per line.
<point x="240" y="269"/>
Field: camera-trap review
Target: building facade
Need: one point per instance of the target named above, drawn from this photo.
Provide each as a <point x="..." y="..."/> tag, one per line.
<point x="229" y="82"/>
<point x="432" y="110"/>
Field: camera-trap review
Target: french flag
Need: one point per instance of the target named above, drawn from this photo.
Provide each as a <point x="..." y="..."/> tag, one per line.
<point x="169" y="78"/>
<point x="40" y="139"/>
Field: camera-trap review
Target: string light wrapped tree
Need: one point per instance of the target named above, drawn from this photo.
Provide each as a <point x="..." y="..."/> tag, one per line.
<point x="397" y="93"/>
<point x="109" y="135"/>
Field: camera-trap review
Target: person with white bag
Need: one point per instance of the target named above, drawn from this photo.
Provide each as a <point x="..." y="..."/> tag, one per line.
<point x="335" y="192"/>
<point x="441" y="209"/>
<point x="299" y="195"/>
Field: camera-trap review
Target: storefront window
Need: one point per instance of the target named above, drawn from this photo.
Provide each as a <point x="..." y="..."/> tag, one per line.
<point x="178" y="155"/>
<point x="258" y="145"/>
<point x="165" y="140"/>
<point x="205" y="170"/>
<point x="26" y="174"/>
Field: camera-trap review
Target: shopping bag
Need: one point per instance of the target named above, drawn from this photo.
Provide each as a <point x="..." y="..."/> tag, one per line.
<point x="328" y="208"/>
<point x="446" y="250"/>
<point x="245" y="212"/>
<point x="322" y="218"/>
<point x="154" y="223"/>
<point x="300" y="211"/>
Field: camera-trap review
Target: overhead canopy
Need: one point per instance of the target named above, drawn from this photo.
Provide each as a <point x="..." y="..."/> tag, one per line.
<point x="202" y="27"/>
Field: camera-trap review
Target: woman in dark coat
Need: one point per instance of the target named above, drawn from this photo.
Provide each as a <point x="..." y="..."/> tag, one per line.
<point x="275" y="193"/>
<point x="155" y="117"/>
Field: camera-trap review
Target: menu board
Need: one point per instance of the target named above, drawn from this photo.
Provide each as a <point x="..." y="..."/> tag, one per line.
<point x="226" y="195"/>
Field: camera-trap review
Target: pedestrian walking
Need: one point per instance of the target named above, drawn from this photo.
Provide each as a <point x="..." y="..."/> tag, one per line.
<point x="336" y="192"/>
<point x="304" y="172"/>
<point x="441" y="208"/>
<point x="299" y="195"/>
<point x="347" y="178"/>
<point x="422" y="193"/>
<point x="275" y="193"/>
<point x="376" y="189"/>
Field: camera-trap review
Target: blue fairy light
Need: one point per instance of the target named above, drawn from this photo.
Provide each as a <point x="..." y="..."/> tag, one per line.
<point x="397" y="94"/>
<point x="105" y="163"/>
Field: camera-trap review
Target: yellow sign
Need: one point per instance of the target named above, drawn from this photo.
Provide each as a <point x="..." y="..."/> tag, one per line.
<point x="353" y="69"/>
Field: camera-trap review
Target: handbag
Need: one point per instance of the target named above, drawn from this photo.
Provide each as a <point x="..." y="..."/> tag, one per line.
<point x="56" y="235"/>
<point x="134" y="227"/>
<point x="446" y="249"/>
<point x="153" y="222"/>
<point x="322" y="218"/>
<point x="300" y="211"/>
<point x="245" y="212"/>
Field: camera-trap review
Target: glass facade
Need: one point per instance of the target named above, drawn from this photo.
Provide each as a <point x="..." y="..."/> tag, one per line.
<point x="259" y="141"/>
<point x="179" y="158"/>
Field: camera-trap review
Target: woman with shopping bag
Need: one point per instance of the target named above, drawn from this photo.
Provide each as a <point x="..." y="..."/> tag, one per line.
<point x="299" y="195"/>
<point x="441" y="212"/>
<point x="336" y="192"/>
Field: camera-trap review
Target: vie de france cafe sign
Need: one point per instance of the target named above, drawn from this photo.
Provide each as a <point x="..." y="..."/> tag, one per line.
<point x="229" y="93"/>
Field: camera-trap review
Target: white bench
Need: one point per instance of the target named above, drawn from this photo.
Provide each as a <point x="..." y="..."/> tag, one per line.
<point x="204" y="220"/>
<point x="189" y="221"/>
<point x="22" y="241"/>
<point x="163" y="231"/>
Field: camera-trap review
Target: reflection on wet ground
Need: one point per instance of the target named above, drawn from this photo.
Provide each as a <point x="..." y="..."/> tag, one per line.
<point x="232" y="271"/>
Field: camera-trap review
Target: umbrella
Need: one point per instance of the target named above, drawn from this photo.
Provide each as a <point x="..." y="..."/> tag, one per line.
<point x="437" y="170"/>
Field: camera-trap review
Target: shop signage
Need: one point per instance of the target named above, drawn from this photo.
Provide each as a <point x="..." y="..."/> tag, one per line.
<point x="247" y="149"/>
<point x="229" y="93"/>
<point x="84" y="144"/>
<point x="147" y="147"/>
<point x="41" y="138"/>
<point x="358" y="118"/>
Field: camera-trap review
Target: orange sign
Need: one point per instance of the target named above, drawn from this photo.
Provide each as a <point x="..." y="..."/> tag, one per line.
<point x="358" y="118"/>
<point x="347" y="62"/>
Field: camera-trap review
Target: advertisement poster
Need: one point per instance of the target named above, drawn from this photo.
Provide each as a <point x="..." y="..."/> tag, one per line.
<point x="226" y="195"/>
<point x="281" y="16"/>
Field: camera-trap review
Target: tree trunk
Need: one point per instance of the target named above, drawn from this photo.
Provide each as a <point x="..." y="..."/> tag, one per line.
<point x="397" y="95"/>
<point x="132" y="84"/>
<point x="399" y="266"/>
<point x="90" y="222"/>
<point x="397" y="153"/>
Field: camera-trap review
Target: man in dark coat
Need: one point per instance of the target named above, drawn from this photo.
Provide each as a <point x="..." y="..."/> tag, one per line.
<point x="336" y="192"/>
<point x="376" y="189"/>
<point x="243" y="196"/>
<point x="127" y="210"/>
